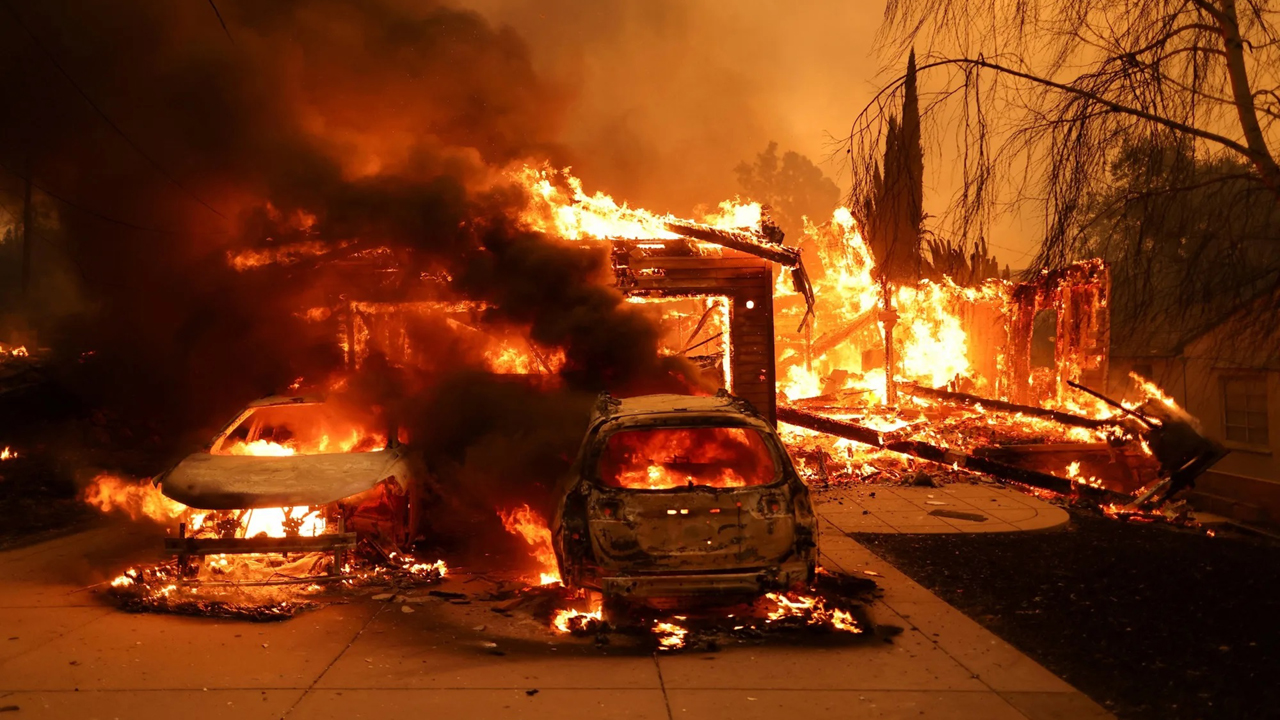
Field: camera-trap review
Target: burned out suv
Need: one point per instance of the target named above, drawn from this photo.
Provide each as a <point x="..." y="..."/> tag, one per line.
<point x="677" y="498"/>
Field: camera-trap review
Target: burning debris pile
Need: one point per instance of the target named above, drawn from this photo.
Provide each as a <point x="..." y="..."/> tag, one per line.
<point x="262" y="586"/>
<point x="935" y="382"/>
<point x="270" y="568"/>
<point x="835" y="607"/>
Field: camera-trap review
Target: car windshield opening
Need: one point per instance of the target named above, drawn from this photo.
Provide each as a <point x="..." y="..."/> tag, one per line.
<point x="302" y="429"/>
<point x="668" y="458"/>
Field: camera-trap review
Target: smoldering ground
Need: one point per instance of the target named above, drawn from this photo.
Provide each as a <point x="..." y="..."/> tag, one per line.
<point x="384" y="124"/>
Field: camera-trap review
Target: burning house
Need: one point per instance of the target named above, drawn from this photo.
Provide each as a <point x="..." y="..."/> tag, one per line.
<point x="865" y="382"/>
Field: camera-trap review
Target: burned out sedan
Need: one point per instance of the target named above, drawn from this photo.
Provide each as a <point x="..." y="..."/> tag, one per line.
<point x="678" y="499"/>
<point x="297" y="475"/>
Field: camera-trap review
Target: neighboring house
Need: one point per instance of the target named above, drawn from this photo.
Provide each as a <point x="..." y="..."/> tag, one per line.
<point x="1226" y="374"/>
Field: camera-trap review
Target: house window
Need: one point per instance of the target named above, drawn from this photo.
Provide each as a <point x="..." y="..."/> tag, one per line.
<point x="1244" y="404"/>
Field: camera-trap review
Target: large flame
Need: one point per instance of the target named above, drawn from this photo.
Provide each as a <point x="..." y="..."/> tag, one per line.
<point x="930" y="343"/>
<point x="665" y="458"/>
<point x="531" y="526"/>
<point x="559" y="206"/>
<point x="139" y="500"/>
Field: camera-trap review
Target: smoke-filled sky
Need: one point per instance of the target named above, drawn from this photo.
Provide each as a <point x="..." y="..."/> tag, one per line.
<point x="668" y="96"/>
<point x="159" y="142"/>
<point x="654" y="101"/>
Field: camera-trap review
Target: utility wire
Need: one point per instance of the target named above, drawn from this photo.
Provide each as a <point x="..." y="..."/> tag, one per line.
<point x="30" y="232"/>
<point x="18" y="18"/>
<point x="95" y="213"/>
<point x="222" y="22"/>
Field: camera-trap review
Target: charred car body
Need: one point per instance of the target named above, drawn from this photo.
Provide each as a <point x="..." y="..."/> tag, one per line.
<point x="297" y="475"/>
<point x="675" y="498"/>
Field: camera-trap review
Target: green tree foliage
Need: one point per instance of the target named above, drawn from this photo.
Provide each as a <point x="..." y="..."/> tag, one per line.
<point x="1190" y="240"/>
<point x="792" y="186"/>
<point x="895" y="223"/>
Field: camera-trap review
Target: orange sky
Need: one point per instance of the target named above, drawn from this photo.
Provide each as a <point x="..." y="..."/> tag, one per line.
<point x="672" y="94"/>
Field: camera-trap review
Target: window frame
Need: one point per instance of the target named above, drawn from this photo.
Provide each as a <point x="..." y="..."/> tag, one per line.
<point x="1249" y="444"/>
<point x="590" y="464"/>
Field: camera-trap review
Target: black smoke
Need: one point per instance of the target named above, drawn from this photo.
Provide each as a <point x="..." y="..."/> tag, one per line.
<point x="159" y="145"/>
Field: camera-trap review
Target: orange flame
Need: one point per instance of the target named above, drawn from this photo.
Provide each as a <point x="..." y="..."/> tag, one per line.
<point x="670" y="636"/>
<point x="559" y="206"/>
<point x="812" y="609"/>
<point x="139" y="500"/>
<point x="661" y="459"/>
<point x="931" y="345"/>
<point x="567" y="620"/>
<point x="523" y="521"/>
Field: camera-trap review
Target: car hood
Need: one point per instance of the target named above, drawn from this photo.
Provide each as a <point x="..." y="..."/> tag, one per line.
<point x="230" y="482"/>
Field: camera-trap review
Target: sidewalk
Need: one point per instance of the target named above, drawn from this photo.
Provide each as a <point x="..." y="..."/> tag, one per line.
<point x="65" y="653"/>
<point x="957" y="507"/>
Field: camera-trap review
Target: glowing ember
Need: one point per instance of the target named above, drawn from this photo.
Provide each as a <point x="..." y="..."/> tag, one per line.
<point x="259" y="587"/>
<point x="279" y="255"/>
<point x="531" y="526"/>
<point x="811" y="610"/>
<point x="576" y="621"/>
<point x="670" y="636"/>
<point x="409" y="564"/>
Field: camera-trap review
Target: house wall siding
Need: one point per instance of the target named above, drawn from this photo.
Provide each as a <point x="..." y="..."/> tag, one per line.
<point x="1246" y="483"/>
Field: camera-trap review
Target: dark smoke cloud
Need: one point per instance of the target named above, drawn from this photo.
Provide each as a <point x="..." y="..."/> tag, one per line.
<point x="380" y="122"/>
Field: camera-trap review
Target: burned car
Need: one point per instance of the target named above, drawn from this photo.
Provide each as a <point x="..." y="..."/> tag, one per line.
<point x="297" y="475"/>
<point x="677" y="500"/>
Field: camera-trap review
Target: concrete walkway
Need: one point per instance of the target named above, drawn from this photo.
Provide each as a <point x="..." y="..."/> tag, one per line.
<point x="958" y="507"/>
<point x="66" y="653"/>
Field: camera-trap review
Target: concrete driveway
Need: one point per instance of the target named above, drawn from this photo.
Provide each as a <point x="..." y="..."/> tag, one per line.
<point x="65" y="652"/>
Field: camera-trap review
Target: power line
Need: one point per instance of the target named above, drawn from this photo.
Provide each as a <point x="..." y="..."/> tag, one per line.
<point x="30" y="232"/>
<point x="221" y="22"/>
<point x="18" y="18"/>
<point x="95" y="213"/>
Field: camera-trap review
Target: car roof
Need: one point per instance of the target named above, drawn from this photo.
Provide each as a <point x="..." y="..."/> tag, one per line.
<point x="274" y="400"/>
<point x="611" y="408"/>
<point x="643" y="404"/>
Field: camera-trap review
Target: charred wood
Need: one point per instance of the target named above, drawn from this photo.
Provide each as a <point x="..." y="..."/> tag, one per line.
<point x="738" y="240"/>
<point x="967" y="399"/>
<point x="943" y="456"/>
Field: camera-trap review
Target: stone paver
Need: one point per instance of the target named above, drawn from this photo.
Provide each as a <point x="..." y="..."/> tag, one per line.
<point x="172" y="704"/>
<point x="75" y="656"/>
<point x="839" y="705"/>
<point x="382" y="704"/>
<point x="959" y="507"/>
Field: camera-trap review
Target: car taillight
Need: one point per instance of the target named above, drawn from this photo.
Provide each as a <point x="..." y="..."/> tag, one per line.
<point x="773" y="505"/>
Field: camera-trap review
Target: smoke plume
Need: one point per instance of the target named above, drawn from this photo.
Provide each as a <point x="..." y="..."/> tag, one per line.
<point x="160" y="146"/>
